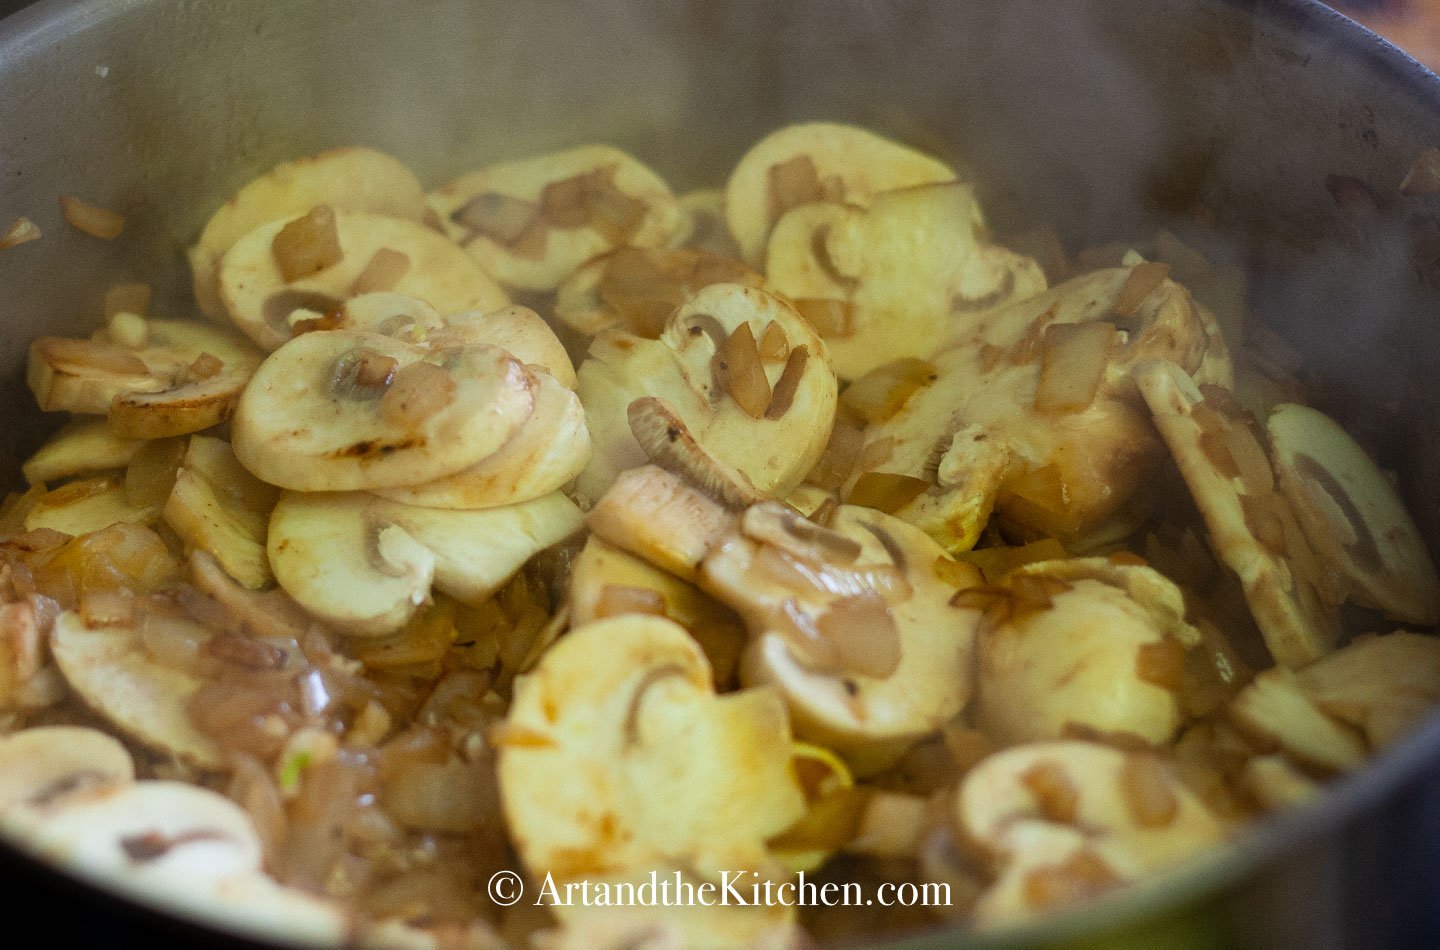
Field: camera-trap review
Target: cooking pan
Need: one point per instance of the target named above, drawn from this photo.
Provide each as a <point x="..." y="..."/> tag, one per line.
<point x="1273" y="133"/>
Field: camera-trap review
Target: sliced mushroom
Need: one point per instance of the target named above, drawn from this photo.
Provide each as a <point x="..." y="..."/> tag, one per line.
<point x="607" y="582"/>
<point x="531" y="223"/>
<point x="973" y="439"/>
<point x="659" y="517"/>
<point x="110" y="669"/>
<point x="348" y="179"/>
<point x="1251" y="526"/>
<point x="1352" y="515"/>
<point x="548" y="450"/>
<point x="1081" y="645"/>
<point x="218" y="507"/>
<point x="86" y="505"/>
<point x="1062" y="821"/>
<point x="366" y="564"/>
<point x="637" y="289"/>
<point x="905" y="272"/>
<point x="42" y="766"/>
<point x="261" y="301"/>
<point x="81" y="447"/>
<point x="347" y="409"/>
<point x="702" y="224"/>
<point x="1275" y="712"/>
<point x="816" y="162"/>
<point x="600" y="780"/>
<point x="1382" y="685"/>
<point x="520" y="331"/>
<point x="850" y="623"/>
<point x="769" y="420"/>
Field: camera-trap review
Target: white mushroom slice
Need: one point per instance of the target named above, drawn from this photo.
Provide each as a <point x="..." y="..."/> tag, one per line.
<point x="1278" y="784"/>
<point x="111" y="670"/>
<point x="899" y="276"/>
<point x="547" y="452"/>
<point x="85" y="375"/>
<point x="89" y="504"/>
<point x="81" y="447"/>
<point x="851" y="624"/>
<point x="1251" y="526"/>
<point x="702" y="223"/>
<point x="607" y="582"/>
<point x="367" y="564"/>
<point x="383" y="311"/>
<point x="1383" y="685"/>
<point x="637" y="289"/>
<point x="1035" y="808"/>
<point x="600" y="778"/>
<point x="45" y="765"/>
<point x="655" y="515"/>
<point x="345" y="410"/>
<point x="768" y="419"/>
<point x="1352" y="515"/>
<point x="218" y="507"/>
<point x="973" y="438"/>
<point x="519" y="331"/>
<point x="260" y="301"/>
<point x="1072" y="648"/>
<point x="1276" y="712"/>
<point x="816" y="162"/>
<point x="352" y="178"/>
<point x="531" y="222"/>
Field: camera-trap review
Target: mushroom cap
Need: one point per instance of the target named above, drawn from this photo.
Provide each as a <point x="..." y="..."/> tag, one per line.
<point x="300" y="426"/>
<point x="43" y="764"/>
<point x="1352" y="515"/>
<point x="773" y="453"/>
<point x="81" y="447"/>
<point x="1251" y="527"/>
<point x="352" y="178"/>
<point x="618" y="759"/>
<point x="366" y="564"/>
<point x="1383" y="685"/>
<point x="856" y="163"/>
<point x="564" y="248"/>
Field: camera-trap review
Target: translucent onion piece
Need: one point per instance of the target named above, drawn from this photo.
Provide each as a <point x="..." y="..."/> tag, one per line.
<point x="1073" y="361"/>
<point x="91" y="219"/>
<point x="883" y="391"/>
<point x="886" y="491"/>
<point x="307" y="245"/>
<point x="1142" y="281"/>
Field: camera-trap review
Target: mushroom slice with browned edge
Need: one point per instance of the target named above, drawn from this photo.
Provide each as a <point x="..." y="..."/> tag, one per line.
<point x="1060" y="822"/>
<point x="1352" y="515"/>
<point x="817" y="162"/>
<point x="366" y="564"/>
<point x="81" y="447"/>
<point x="618" y="759"/>
<point x="530" y="223"/>
<point x="43" y="765"/>
<point x="269" y="299"/>
<point x="768" y="419"/>
<point x="347" y="409"/>
<point x="1251" y="525"/>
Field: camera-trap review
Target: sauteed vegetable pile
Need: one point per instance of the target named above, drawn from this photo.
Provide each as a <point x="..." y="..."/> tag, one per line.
<point x="554" y="522"/>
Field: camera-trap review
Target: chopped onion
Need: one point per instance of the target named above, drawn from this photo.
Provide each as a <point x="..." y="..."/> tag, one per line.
<point x="886" y="491"/>
<point x="152" y="472"/>
<point x="863" y="630"/>
<point x="1081" y="877"/>
<point x="1142" y="281"/>
<point x="883" y="391"/>
<point x="793" y="183"/>
<point x="789" y="383"/>
<point x="1264" y="522"/>
<point x="1036" y="591"/>
<point x="745" y="375"/>
<point x="417" y="392"/>
<point x="618" y="599"/>
<point x="385" y="269"/>
<point x="1252" y="463"/>
<point x="203" y="367"/>
<point x="1145" y="786"/>
<point x="837" y="461"/>
<point x="500" y="217"/>
<point x="21" y="231"/>
<point x="307" y="245"/>
<point x="91" y="219"/>
<point x="774" y="345"/>
<point x="88" y="357"/>
<point x="1072" y="367"/>
<point x="1162" y="663"/>
<point x="957" y="574"/>
<point x="832" y="319"/>
<point x="1056" y="797"/>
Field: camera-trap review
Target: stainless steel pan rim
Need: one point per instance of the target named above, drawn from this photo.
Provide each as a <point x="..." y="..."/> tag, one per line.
<point x="33" y="31"/>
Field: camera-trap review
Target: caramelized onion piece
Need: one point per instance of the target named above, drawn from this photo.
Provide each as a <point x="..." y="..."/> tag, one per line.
<point x="883" y="391"/>
<point x="773" y="342"/>
<point x="847" y="439"/>
<point x="863" y="631"/>
<point x="886" y="491"/>
<point x="385" y="269"/>
<point x="788" y="383"/>
<point x="362" y="374"/>
<point x="1072" y="366"/>
<point x="793" y="183"/>
<point x="1080" y="877"/>
<point x="307" y="245"/>
<point x="1162" y="663"/>
<point x="1055" y="795"/>
<point x="745" y="375"/>
<point x="21" y="231"/>
<point x="1145" y="786"/>
<point x="1142" y="281"/>
<point x="417" y="392"/>
<point x="91" y="219"/>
